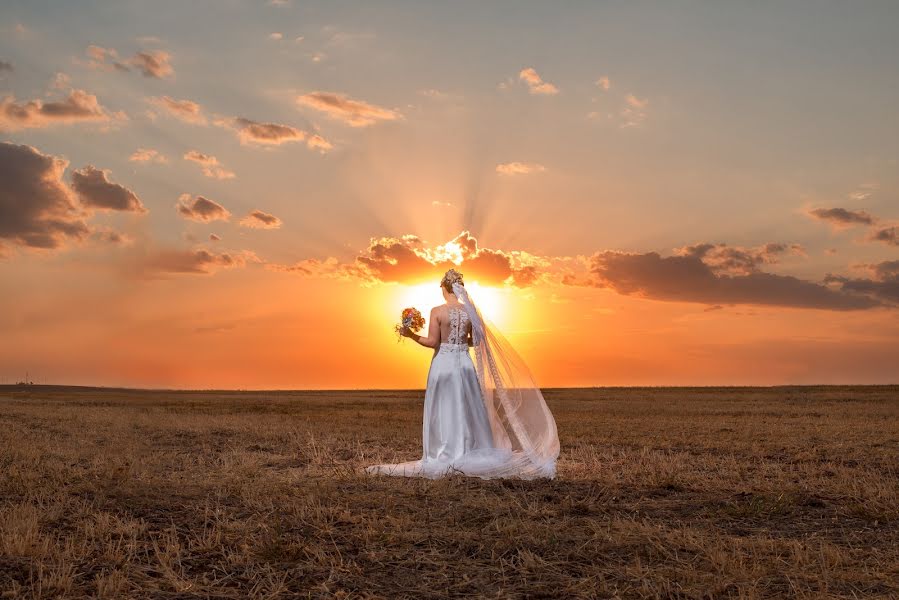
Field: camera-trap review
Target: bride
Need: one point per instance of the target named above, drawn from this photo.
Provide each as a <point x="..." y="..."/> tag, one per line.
<point x="483" y="418"/>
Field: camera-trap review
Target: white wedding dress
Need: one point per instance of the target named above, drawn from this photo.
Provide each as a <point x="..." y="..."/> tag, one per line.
<point x="486" y="421"/>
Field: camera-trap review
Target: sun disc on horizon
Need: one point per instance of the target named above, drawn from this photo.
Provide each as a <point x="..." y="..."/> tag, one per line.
<point x="425" y="296"/>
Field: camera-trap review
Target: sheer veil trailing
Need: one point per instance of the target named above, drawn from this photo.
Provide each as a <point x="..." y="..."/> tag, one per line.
<point x="519" y="417"/>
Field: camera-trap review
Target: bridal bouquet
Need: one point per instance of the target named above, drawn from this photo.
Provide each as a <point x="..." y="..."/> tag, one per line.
<point x="410" y="319"/>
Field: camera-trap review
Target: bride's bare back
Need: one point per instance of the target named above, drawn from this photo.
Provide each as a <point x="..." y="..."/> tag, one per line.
<point x="455" y="328"/>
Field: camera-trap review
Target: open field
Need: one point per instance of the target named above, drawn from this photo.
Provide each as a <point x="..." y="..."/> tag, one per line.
<point x="661" y="493"/>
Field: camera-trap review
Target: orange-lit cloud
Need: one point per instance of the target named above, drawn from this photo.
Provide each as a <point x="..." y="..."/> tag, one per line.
<point x="260" y="220"/>
<point x="535" y="83"/>
<point x="604" y="83"/>
<point x="150" y="63"/>
<point x="356" y="113"/>
<point x="37" y="209"/>
<point x="153" y="63"/>
<point x="201" y="209"/>
<point x="185" y="110"/>
<point x="272" y="134"/>
<point x="197" y="261"/>
<point x="103" y="59"/>
<point x="144" y="155"/>
<point x="519" y="168"/>
<point x="95" y="190"/>
<point x="78" y="107"/>
<point x="209" y="164"/>
<point x="409" y="260"/>
<point x="634" y="112"/>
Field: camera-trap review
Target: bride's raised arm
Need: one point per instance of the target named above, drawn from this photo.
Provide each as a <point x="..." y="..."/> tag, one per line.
<point x="432" y="340"/>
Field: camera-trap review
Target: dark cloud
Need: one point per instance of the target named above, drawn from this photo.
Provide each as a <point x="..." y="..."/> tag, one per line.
<point x="37" y="209"/>
<point x="736" y="260"/>
<point x="6" y="67"/>
<point x="842" y="217"/>
<point x="96" y="191"/>
<point x="201" y="209"/>
<point x="78" y="107"/>
<point x="686" y="278"/>
<point x="887" y="235"/>
<point x="261" y="220"/>
<point x="883" y="283"/>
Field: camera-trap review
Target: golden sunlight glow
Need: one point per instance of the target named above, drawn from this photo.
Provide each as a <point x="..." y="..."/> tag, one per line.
<point x="491" y="301"/>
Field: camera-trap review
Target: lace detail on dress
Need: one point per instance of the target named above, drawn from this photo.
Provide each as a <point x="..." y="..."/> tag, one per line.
<point x="458" y="333"/>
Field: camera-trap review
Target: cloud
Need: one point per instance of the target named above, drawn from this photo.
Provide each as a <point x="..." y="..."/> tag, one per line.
<point x="6" y="67"/>
<point x="276" y="36"/>
<point x="150" y="63"/>
<point x="634" y="112"/>
<point x="110" y="236"/>
<point x="519" y="168"/>
<point x="887" y="235"/>
<point x="96" y="191"/>
<point x="214" y="238"/>
<point x="842" y="217"/>
<point x="103" y="59"/>
<point x="254" y="132"/>
<point x="535" y="83"/>
<point x="209" y="164"/>
<point x="356" y="113"/>
<point x="37" y="209"/>
<point x="604" y="83"/>
<point x="864" y="191"/>
<point x="201" y="209"/>
<point x="78" y="107"/>
<point x="883" y="283"/>
<point x="186" y="110"/>
<point x="686" y="278"/>
<point x="260" y="220"/>
<point x="408" y="259"/>
<point x="144" y="155"/>
<point x="736" y="260"/>
<point x="153" y="63"/>
<point x="198" y="261"/>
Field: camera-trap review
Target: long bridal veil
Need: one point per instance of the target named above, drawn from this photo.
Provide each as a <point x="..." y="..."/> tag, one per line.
<point x="519" y="417"/>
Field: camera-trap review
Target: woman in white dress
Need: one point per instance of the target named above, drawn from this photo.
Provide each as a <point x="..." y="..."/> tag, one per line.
<point x="484" y="418"/>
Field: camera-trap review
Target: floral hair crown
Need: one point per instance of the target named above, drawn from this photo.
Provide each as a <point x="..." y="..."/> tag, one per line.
<point x="450" y="277"/>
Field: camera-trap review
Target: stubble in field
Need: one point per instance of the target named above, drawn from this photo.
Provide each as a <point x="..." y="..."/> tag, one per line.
<point x="660" y="493"/>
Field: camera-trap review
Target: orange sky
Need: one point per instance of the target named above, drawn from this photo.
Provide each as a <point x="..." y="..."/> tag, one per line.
<point x="662" y="199"/>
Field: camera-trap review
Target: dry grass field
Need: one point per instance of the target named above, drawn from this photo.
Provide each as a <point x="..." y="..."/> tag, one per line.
<point x="661" y="493"/>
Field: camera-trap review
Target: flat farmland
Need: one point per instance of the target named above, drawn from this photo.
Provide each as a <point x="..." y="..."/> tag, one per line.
<point x="661" y="493"/>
